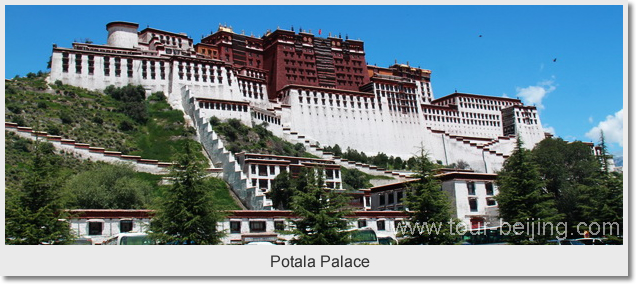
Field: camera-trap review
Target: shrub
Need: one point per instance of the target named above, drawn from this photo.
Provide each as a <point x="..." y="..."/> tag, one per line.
<point x="66" y="117"/>
<point x="126" y="125"/>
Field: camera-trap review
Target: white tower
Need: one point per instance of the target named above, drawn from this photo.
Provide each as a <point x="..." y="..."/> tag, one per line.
<point x="122" y="34"/>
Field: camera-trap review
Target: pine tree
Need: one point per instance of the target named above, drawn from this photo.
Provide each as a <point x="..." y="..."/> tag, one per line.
<point x="186" y="212"/>
<point x="321" y="212"/>
<point x="282" y="191"/>
<point x="605" y="196"/>
<point x="523" y="198"/>
<point x="604" y="157"/>
<point x="428" y="206"/>
<point x="35" y="213"/>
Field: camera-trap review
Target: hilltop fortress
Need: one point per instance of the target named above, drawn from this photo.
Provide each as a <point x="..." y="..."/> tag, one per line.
<point x="307" y="88"/>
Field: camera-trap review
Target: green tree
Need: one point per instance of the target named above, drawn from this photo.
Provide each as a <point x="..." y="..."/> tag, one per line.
<point x="321" y="212"/>
<point x="282" y="191"/>
<point x="604" y="157"/>
<point x="604" y="202"/>
<point x="380" y="160"/>
<point x="428" y="205"/>
<point x="186" y="213"/>
<point x="132" y="100"/>
<point x="523" y="198"/>
<point x="108" y="187"/>
<point x="584" y="190"/>
<point x="353" y="179"/>
<point x="336" y="150"/>
<point x="35" y="212"/>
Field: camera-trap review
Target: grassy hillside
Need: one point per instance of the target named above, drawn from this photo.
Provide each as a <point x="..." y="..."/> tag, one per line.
<point x="97" y="119"/>
<point x="151" y="129"/>
<point x="238" y="137"/>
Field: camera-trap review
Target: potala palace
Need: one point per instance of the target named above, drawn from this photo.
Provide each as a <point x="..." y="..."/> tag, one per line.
<point x="309" y="89"/>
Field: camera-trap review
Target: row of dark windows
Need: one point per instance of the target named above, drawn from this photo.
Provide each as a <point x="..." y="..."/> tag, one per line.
<point x="381" y="224"/>
<point x="255" y="226"/>
<point x="97" y="228"/>
<point x="222" y="106"/>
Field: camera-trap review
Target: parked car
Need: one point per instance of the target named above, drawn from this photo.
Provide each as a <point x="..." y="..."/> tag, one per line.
<point x="592" y="241"/>
<point x="565" y="242"/>
<point x="387" y="241"/>
<point x="130" y="239"/>
<point x="83" y="241"/>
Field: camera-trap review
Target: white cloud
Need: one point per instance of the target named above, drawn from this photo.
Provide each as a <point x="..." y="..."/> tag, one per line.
<point x="533" y="95"/>
<point x="549" y="129"/>
<point x="590" y="119"/>
<point x="612" y="128"/>
<point x="504" y="95"/>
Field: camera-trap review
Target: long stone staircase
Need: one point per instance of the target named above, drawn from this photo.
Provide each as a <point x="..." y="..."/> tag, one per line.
<point x="231" y="170"/>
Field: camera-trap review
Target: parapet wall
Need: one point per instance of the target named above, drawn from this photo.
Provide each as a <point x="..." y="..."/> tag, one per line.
<point x="86" y="152"/>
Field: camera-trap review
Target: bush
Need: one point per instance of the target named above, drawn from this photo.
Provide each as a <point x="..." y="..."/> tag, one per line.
<point x="66" y="117"/>
<point x="158" y="96"/>
<point x="53" y="129"/>
<point x="126" y="125"/>
<point x="97" y="119"/>
<point x="127" y="93"/>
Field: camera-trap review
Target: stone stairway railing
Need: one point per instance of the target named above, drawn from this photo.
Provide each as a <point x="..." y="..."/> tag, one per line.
<point x="313" y="148"/>
<point x="88" y="152"/>
<point x="249" y="195"/>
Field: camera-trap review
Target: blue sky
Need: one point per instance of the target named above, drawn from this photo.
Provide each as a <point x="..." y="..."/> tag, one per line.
<point x="577" y="95"/>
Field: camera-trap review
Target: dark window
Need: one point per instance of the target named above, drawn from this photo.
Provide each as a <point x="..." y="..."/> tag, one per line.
<point x="491" y="202"/>
<point x="382" y="199"/>
<point x="78" y="63"/>
<point x="125" y="226"/>
<point x="257" y="226"/>
<point x="262" y="170"/>
<point x="129" y="66"/>
<point x="272" y="170"/>
<point x="400" y="195"/>
<point x="471" y="188"/>
<point x="262" y="184"/>
<point x="362" y="223"/>
<point x="391" y="198"/>
<point x="65" y="62"/>
<point x="282" y="169"/>
<point x="381" y="225"/>
<point x="95" y="228"/>
<point x="117" y="66"/>
<point x="489" y="189"/>
<point x="235" y="227"/>
<point x="279" y="225"/>
<point x="107" y="66"/>
<point x="473" y="204"/>
<point x="397" y="225"/>
<point x="91" y="64"/>
<point x="253" y="169"/>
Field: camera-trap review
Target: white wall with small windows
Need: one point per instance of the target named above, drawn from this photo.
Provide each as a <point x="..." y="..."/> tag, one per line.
<point x="473" y="201"/>
<point x="100" y="229"/>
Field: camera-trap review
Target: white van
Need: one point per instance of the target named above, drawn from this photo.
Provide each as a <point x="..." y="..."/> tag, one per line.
<point x="130" y="239"/>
